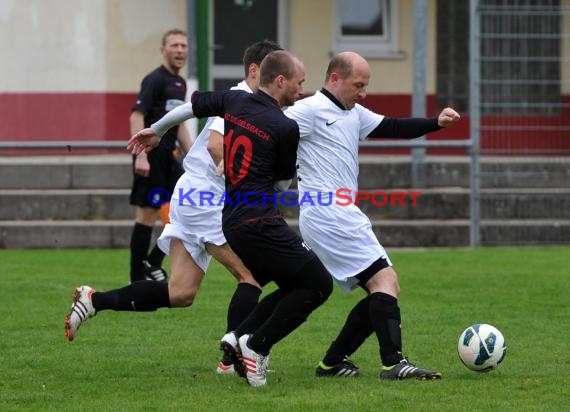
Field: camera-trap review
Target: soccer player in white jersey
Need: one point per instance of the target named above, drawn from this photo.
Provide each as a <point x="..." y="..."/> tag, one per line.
<point x="192" y="237"/>
<point x="331" y="124"/>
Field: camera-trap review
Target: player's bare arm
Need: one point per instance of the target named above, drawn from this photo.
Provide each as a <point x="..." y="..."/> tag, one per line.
<point x="142" y="165"/>
<point x="136" y="122"/>
<point x="147" y="139"/>
<point x="216" y="150"/>
<point x="184" y="138"/>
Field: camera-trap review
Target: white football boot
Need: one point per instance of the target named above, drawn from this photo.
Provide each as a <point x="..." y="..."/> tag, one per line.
<point x="81" y="310"/>
<point x="255" y="363"/>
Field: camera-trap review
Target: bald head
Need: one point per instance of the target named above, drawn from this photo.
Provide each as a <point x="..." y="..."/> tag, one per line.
<point x="277" y="63"/>
<point x="345" y="63"/>
<point x="281" y="76"/>
<point x="347" y="77"/>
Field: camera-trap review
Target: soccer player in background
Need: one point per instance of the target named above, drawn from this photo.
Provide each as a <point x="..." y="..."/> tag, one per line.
<point x="161" y="90"/>
<point x="331" y="123"/>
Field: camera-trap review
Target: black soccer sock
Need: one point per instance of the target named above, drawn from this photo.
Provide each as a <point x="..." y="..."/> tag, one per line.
<point x="355" y="331"/>
<point x="143" y="296"/>
<point x="307" y="290"/>
<point x="385" y="319"/>
<point x="242" y="303"/>
<point x="156" y="256"/>
<point x="140" y="242"/>
<point x="291" y="312"/>
<point x="261" y="312"/>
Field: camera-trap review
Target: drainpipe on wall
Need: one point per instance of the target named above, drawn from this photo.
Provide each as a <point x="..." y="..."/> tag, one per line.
<point x="197" y="28"/>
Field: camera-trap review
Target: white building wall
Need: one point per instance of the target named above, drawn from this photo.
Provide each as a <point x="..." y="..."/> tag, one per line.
<point x="82" y="45"/>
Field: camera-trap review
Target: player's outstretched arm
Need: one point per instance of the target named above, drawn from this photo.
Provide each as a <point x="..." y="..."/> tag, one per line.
<point x="147" y="139"/>
<point x="143" y="141"/>
<point x="447" y="117"/>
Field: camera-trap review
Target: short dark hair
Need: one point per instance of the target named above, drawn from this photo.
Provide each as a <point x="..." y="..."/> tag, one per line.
<point x="255" y="53"/>
<point x="276" y="63"/>
<point x="170" y="33"/>
<point x="341" y="65"/>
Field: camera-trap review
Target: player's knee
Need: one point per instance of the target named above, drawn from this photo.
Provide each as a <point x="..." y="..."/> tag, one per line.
<point x="321" y="290"/>
<point x="182" y="298"/>
<point x="316" y="277"/>
<point x="311" y="300"/>
<point x="397" y="289"/>
<point x="147" y="215"/>
<point x="393" y="285"/>
<point x="386" y="280"/>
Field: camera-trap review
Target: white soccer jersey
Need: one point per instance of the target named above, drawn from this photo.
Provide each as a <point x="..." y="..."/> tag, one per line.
<point x="195" y="207"/>
<point x="328" y="148"/>
<point x="327" y="157"/>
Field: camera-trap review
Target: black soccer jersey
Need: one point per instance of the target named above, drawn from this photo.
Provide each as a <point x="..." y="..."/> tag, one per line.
<point x="260" y="147"/>
<point x="161" y="91"/>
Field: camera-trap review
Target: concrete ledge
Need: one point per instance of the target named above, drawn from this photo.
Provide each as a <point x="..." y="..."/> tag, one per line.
<point x="453" y="203"/>
<point x="70" y="234"/>
<point x="456" y="232"/>
<point x="441" y="203"/>
<point x="394" y="233"/>
<point x="95" y="204"/>
<point x="115" y="171"/>
<point x="444" y="171"/>
<point x="537" y="232"/>
<point x="66" y="172"/>
<point x="95" y="176"/>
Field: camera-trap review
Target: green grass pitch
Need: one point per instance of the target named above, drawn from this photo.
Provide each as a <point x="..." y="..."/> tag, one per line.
<point x="165" y="361"/>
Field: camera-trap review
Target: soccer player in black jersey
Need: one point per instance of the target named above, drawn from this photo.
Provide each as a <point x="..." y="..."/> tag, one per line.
<point x="193" y="235"/>
<point x="161" y="90"/>
<point x="260" y="145"/>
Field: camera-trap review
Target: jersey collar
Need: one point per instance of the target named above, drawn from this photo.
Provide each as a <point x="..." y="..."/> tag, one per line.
<point x="332" y="98"/>
<point x="266" y="97"/>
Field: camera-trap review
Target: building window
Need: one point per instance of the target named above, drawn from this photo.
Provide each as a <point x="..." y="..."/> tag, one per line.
<point x="368" y="27"/>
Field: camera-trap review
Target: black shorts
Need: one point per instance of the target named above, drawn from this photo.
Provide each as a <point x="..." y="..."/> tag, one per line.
<point x="370" y="271"/>
<point x="156" y="189"/>
<point x="271" y="250"/>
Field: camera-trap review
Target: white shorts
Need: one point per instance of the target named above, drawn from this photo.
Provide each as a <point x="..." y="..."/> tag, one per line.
<point x="195" y="225"/>
<point x="343" y="239"/>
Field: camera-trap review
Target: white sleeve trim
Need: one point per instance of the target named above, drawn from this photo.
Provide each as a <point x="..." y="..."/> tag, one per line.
<point x="173" y="118"/>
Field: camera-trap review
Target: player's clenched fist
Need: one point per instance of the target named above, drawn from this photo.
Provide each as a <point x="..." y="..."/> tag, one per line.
<point x="447" y="117"/>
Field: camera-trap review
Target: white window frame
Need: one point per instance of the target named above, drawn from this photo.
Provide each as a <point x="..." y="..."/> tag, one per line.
<point x="381" y="46"/>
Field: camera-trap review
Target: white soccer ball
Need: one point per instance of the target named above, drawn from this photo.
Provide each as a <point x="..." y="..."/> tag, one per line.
<point x="481" y="347"/>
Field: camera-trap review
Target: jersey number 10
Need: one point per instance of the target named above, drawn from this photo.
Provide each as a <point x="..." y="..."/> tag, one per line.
<point x="242" y="145"/>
